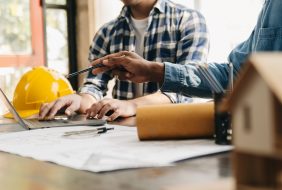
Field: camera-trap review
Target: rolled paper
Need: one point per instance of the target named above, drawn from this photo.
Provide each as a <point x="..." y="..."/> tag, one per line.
<point x="175" y="121"/>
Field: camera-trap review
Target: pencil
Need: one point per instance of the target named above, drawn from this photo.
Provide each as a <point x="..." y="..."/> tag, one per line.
<point x="85" y="70"/>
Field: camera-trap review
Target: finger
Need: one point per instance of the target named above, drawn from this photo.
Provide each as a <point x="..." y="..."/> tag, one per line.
<point x="119" y="54"/>
<point x="96" y="107"/>
<point x="115" y="115"/>
<point x="122" y="75"/>
<point x="113" y="62"/>
<point x="87" y="112"/>
<point x="97" y="61"/>
<point x="44" y="109"/>
<point x="105" y="109"/>
<point x="121" y="61"/>
<point x="105" y="59"/>
<point x="55" y="108"/>
<point x="90" y="113"/>
<point x="100" y="70"/>
<point x="102" y="103"/>
<point x="126" y="53"/>
<point x="71" y="109"/>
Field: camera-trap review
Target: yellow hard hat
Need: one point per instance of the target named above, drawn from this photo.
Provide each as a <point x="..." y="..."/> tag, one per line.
<point x="37" y="86"/>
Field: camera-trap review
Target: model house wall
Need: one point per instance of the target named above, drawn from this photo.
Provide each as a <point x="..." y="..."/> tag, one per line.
<point x="253" y="118"/>
<point x="256" y="108"/>
<point x="278" y="126"/>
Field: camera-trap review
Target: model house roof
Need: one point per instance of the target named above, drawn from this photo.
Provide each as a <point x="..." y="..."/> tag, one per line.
<point x="268" y="66"/>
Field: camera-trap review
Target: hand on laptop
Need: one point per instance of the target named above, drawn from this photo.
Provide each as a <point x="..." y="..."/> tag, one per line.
<point x="112" y="108"/>
<point x="71" y="103"/>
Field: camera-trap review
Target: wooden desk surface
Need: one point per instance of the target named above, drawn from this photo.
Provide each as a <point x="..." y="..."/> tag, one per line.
<point x="27" y="174"/>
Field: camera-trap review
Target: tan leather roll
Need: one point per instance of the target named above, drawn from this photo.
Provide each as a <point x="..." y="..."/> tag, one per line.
<point x="175" y="121"/>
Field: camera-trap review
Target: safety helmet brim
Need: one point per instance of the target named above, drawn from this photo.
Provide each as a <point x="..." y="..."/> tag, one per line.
<point x="22" y="113"/>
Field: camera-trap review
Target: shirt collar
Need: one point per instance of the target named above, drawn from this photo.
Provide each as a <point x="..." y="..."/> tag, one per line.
<point x="125" y="12"/>
<point x="159" y="6"/>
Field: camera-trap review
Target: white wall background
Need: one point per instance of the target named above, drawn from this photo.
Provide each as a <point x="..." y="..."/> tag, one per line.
<point x="230" y="22"/>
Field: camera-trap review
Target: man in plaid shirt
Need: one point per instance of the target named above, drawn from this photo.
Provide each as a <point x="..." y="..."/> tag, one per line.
<point x="157" y="30"/>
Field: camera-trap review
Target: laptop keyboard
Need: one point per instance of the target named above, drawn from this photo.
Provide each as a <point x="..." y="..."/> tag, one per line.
<point x="34" y="123"/>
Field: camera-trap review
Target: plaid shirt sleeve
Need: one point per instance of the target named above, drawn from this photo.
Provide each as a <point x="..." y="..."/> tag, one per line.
<point x="96" y="85"/>
<point x="192" y="47"/>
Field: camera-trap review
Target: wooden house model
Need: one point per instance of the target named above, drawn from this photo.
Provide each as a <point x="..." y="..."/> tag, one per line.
<point x="256" y="107"/>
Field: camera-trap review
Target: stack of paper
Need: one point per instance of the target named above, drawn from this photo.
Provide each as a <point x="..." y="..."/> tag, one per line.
<point x="116" y="149"/>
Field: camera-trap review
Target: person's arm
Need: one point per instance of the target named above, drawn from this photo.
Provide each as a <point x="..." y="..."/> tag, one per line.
<point x="264" y="37"/>
<point x="96" y="85"/>
<point x="130" y="66"/>
<point x="184" y="79"/>
<point x="193" y="46"/>
<point x="113" y="108"/>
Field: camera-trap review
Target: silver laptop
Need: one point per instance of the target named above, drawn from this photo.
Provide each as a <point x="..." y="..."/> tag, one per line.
<point x="74" y="120"/>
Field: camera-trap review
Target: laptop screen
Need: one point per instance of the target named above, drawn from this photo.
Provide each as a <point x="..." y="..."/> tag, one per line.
<point x="11" y="108"/>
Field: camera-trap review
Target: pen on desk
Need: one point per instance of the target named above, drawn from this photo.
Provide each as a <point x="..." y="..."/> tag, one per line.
<point x="85" y="70"/>
<point x="95" y="130"/>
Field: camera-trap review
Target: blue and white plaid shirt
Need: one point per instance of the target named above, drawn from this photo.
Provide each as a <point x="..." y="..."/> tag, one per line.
<point x="175" y="34"/>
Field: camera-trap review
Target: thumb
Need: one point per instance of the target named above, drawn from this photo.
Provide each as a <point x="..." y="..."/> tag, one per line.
<point x="100" y="70"/>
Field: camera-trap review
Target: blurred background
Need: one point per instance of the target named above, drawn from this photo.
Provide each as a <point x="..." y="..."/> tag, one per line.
<point x="57" y="33"/>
